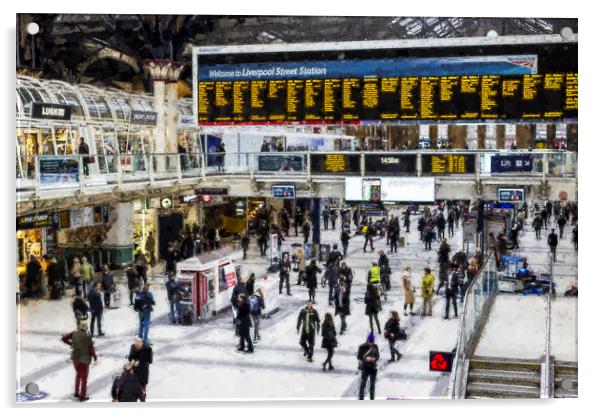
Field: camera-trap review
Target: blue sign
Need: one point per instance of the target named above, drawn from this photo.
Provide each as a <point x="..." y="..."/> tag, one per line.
<point x="25" y="397"/>
<point x="511" y="163"/>
<point x="283" y="191"/>
<point x="511" y="195"/>
<point x="381" y="68"/>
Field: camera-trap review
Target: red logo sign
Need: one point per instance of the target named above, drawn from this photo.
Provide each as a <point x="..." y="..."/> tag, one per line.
<point x="206" y="198"/>
<point x="440" y="361"/>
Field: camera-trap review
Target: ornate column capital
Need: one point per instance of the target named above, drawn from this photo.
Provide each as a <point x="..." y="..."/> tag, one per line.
<point x="163" y="69"/>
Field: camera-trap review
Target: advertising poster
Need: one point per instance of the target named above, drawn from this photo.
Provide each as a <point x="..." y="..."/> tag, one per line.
<point x="76" y="217"/>
<point x="280" y="163"/>
<point x="511" y="195"/>
<point x="59" y="171"/>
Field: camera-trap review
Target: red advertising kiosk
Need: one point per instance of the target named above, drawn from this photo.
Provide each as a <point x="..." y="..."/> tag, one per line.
<point x="207" y="280"/>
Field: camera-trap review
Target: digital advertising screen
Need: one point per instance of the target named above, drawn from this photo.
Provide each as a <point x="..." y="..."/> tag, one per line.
<point x="371" y="189"/>
<point x="389" y="189"/>
<point x="511" y="195"/>
<point x="283" y="191"/>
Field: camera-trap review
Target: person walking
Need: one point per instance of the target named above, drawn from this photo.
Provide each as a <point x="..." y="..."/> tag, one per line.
<point x="257" y="305"/>
<point x="451" y="292"/>
<point x="96" y="308"/>
<point x="408" y="292"/>
<point x="428" y="235"/>
<point x="141" y="357"/>
<point x="84" y="150"/>
<point x="342" y="304"/>
<point x="368" y="356"/>
<point x="143" y="304"/>
<point x="244" y="244"/>
<point x="87" y="274"/>
<point x="553" y="242"/>
<point x="82" y="353"/>
<point x="406" y="219"/>
<point x="33" y="277"/>
<point x="221" y="156"/>
<point x="428" y="286"/>
<point x="108" y="285"/>
<point x="394" y="333"/>
<point x="311" y="276"/>
<point x="244" y="323"/>
<point x="80" y="308"/>
<point x="544" y="217"/>
<point x="172" y="287"/>
<point x="451" y="218"/>
<point x="373" y="307"/>
<point x="306" y="230"/>
<point x="369" y="232"/>
<point x="239" y="288"/>
<point x="285" y="271"/>
<point x="149" y="246"/>
<point x="329" y="340"/>
<point x="333" y="218"/>
<point x="308" y="322"/>
<point x="298" y="220"/>
<point x="345" y="237"/>
<point x="574" y="237"/>
<point x="325" y="216"/>
<point x="537" y="225"/>
<point x="561" y="221"/>
<point x="133" y="283"/>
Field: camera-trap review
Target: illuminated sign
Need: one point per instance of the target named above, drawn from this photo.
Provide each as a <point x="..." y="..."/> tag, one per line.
<point x="143" y="117"/>
<point x="443" y="164"/>
<point x="333" y="163"/>
<point x="283" y="191"/>
<point x="28" y="222"/>
<point x="440" y="361"/>
<point x="513" y="195"/>
<point x="511" y="163"/>
<point x="387" y="164"/>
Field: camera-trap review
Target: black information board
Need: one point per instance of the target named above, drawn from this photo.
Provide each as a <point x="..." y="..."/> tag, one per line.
<point x="444" y="164"/>
<point x="333" y="163"/>
<point x="280" y="163"/>
<point x="51" y="111"/>
<point x="551" y="96"/>
<point x="386" y="164"/>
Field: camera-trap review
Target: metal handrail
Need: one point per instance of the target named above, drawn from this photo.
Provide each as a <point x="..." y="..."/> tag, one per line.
<point x="460" y="348"/>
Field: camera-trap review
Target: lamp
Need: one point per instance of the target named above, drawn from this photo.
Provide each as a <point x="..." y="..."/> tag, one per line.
<point x="33" y="28"/>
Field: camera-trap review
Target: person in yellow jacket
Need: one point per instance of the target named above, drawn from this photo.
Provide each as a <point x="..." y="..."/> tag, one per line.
<point x="428" y="286"/>
<point x="87" y="274"/>
<point x="374" y="274"/>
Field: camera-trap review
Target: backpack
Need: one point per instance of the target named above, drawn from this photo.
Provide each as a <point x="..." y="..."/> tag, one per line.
<point x="254" y="304"/>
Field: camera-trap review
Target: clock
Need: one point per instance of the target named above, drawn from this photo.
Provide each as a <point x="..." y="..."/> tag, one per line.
<point x="166" y="203"/>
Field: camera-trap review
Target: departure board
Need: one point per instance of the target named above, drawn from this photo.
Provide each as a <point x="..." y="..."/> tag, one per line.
<point x="390" y="164"/>
<point x="395" y="99"/>
<point x="333" y="163"/>
<point x="443" y="164"/>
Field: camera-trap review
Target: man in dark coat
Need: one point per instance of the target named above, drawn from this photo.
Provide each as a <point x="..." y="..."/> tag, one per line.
<point x="33" y="276"/>
<point x="368" y="356"/>
<point x="553" y="242"/>
<point x="309" y="324"/>
<point x="127" y="387"/>
<point x="346" y="275"/>
<point x="133" y="282"/>
<point x="298" y="220"/>
<point x="325" y="216"/>
<point x="306" y="230"/>
<point x="451" y="292"/>
<point x="341" y="304"/>
<point x="239" y="288"/>
<point x="84" y="150"/>
<point x="285" y="272"/>
<point x="311" y="279"/>
<point x="345" y="237"/>
<point x="108" y="284"/>
<point x="141" y="356"/>
<point x="332" y="275"/>
<point x="54" y="273"/>
<point x="244" y="323"/>
<point x="96" y="308"/>
<point x="244" y="244"/>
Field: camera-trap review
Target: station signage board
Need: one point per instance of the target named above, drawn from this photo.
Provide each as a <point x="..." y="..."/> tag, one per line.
<point x="28" y="222"/>
<point x="334" y="163"/>
<point x="387" y="164"/>
<point x="148" y="118"/>
<point x="449" y="163"/>
<point x="511" y="163"/>
<point x="283" y="191"/>
<point x="50" y="111"/>
<point x="211" y="191"/>
<point x="511" y="195"/>
<point x="280" y="163"/>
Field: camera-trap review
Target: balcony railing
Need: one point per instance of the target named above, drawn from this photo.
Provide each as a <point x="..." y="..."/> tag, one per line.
<point x="37" y="173"/>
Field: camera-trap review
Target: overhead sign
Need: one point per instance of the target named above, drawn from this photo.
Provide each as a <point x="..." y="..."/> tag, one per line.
<point x="186" y="121"/>
<point x="28" y="222"/>
<point x="211" y="191"/>
<point x="441" y="361"/>
<point x="143" y="117"/>
<point x="50" y="111"/>
<point x="513" y="195"/>
<point x="443" y="164"/>
<point x="280" y="163"/>
<point x="387" y="164"/>
<point x="512" y="163"/>
<point x="334" y="163"/>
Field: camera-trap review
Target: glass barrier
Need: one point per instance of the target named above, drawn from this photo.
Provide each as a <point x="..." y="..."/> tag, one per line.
<point x="132" y="166"/>
<point x="287" y="163"/>
<point x="166" y="164"/>
<point x="483" y="287"/>
<point x="191" y="164"/>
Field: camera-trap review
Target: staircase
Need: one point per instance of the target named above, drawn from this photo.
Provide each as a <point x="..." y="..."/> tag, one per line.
<point x="565" y="379"/>
<point x="497" y="378"/>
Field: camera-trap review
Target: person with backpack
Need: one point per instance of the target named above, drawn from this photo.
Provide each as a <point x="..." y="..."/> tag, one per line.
<point x="342" y="304"/>
<point x="133" y="283"/>
<point x="394" y="333"/>
<point x="80" y="308"/>
<point x="285" y="271"/>
<point x="108" y="285"/>
<point x="553" y="242"/>
<point x="373" y="306"/>
<point x="244" y="322"/>
<point x="368" y="356"/>
<point x="126" y="387"/>
<point x="141" y="357"/>
<point x="443" y="253"/>
<point x="329" y="340"/>
<point x="257" y="305"/>
<point x="143" y="304"/>
<point x="82" y="353"/>
<point x="96" y="307"/>
<point x="308" y="323"/>
<point x="311" y="279"/>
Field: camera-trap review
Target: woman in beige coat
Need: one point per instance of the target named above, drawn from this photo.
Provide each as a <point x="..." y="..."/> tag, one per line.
<point x="408" y="291"/>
